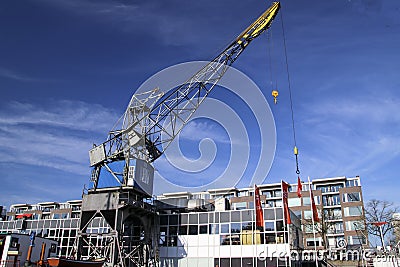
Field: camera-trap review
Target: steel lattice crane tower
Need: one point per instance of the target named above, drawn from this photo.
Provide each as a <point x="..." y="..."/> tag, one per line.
<point x="150" y="123"/>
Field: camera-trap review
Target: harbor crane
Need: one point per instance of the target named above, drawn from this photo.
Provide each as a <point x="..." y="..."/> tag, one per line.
<point x="150" y="123"/>
<point x="152" y="119"/>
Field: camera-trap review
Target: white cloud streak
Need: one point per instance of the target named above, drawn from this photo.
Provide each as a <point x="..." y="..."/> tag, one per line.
<point x="195" y="131"/>
<point x="6" y="73"/>
<point x="349" y="138"/>
<point x="58" y="136"/>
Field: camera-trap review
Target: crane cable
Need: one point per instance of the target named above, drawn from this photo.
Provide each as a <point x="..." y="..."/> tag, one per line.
<point x="295" y="150"/>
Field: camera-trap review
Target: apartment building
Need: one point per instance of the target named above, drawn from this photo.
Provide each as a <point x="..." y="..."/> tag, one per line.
<point x="217" y="226"/>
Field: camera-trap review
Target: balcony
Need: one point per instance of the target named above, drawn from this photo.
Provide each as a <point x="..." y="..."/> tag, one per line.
<point x="335" y="232"/>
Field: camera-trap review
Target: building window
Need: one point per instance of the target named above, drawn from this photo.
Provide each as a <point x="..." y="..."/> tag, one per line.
<point x="243" y="193"/>
<point x="329" y="188"/>
<point x="225" y="228"/>
<point x="306" y="201"/>
<point x="294" y="202"/>
<point x="214" y="228"/>
<point x="270" y="204"/>
<point x="351" y="183"/>
<point x="193" y="230"/>
<point x="307" y="214"/>
<point x="313" y="242"/>
<point x="353" y="211"/>
<point x="269" y="226"/>
<point x="308" y="228"/>
<point x="163" y="236"/>
<point x="305" y="187"/>
<point x="235" y="227"/>
<point x="203" y="229"/>
<point x="247" y="225"/>
<point x="355" y="225"/>
<point x="267" y="194"/>
<point x="183" y="230"/>
<point x="240" y="205"/>
<point x="356" y="240"/>
<point x="331" y="200"/>
<point x="352" y="197"/>
<point x="333" y="214"/>
<point x="335" y="228"/>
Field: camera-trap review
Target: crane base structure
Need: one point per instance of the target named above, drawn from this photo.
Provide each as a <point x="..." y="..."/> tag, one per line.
<point x="130" y="228"/>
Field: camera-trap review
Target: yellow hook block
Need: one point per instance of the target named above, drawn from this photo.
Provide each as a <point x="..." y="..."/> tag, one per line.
<point x="275" y="95"/>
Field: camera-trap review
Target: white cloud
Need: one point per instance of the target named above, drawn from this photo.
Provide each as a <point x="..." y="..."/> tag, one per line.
<point x="157" y="19"/>
<point x="195" y="131"/>
<point x="73" y="115"/>
<point x="16" y="76"/>
<point x="350" y="137"/>
<point x="58" y="136"/>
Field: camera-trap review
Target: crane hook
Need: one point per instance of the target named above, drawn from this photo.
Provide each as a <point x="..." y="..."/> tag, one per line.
<point x="275" y="95"/>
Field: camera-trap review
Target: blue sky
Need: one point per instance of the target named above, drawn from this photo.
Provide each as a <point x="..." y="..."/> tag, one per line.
<point x="69" y="67"/>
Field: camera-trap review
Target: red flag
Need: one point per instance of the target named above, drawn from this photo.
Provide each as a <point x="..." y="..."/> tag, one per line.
<point x="285" y="195"/>
<point x="379" y="223"/>
<point x="314" y="209"/>
<point x="259" y="211"/>
<point x="299" y="186"/>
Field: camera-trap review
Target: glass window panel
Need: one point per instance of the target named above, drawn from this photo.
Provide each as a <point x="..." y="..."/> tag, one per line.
<point x="251" y="205"/>
<point x="173" y="219"/>
<point x="269" y="226"/>
<point x="225" y="240"/>
<point x="247" y="215"/>
<point x="306" y="201"/>
<point x="269" y="204"/>
<point x="279" y="225"/>
<point x="235" y="227"/>
<point x="225" y="228"/>
<point x="224" y="217"/>
<point x="352" y="197"/>
<point x="203" y="229"/>
<point x="355" y="225"/>
<point x="183" y="230"/>
<point x="308" y="228"/>
<point x="173" y="230"/>
<point x="163" y="219"/>
<point x="240" y="205"/>
<point x="270" y="238"/>
<point x="267" y="194"/>
<point x="203" y="218"/>
<point x="211" y="217"/>
<point x="184" y="219"/>
<point x="193" y="219"/>
<point x="214" y="228"/>
<point x="294" y="202"/>
<point x="269" y="214"/>
<point x="193" y="230"/>
<point x="279" y="213"/>
<point x="307" y="214"/>
<point x="235" y="216"/>
<point x="353" y="211"/>
<point x="247" y="225"/>
<point x="317" y="200"/>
